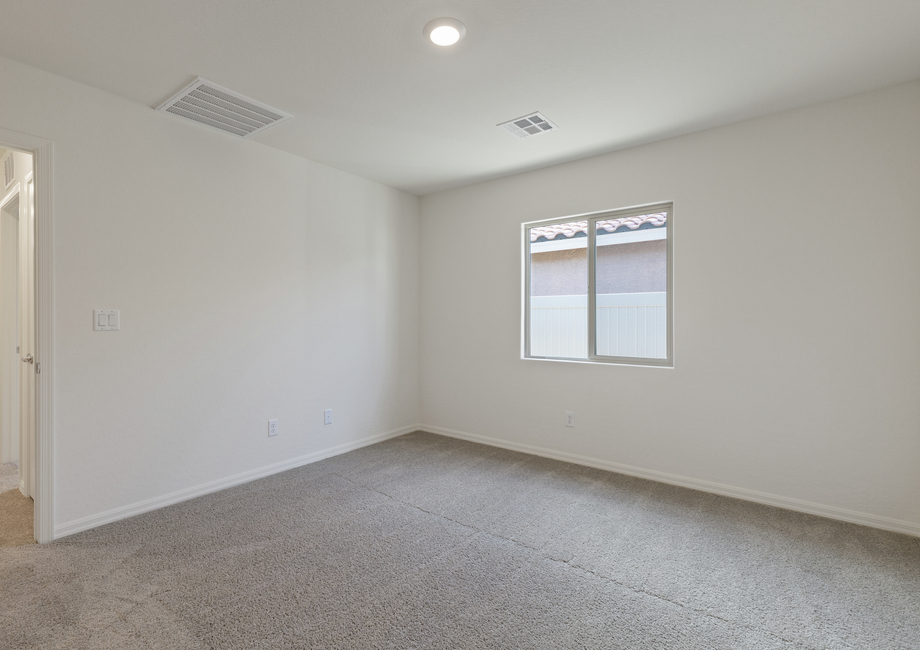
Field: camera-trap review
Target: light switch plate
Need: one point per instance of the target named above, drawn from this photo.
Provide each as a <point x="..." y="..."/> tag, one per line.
<point x="106" y="320"/>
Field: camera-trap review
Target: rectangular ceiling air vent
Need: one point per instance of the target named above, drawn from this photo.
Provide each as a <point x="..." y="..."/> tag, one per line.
<point x="9" y="173"/>
<point x="215" y="106"/>
<point x="524" y="127"/>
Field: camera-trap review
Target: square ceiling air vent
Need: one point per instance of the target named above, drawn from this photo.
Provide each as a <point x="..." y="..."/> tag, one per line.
<point x="524" y="127"/>
<point x="215" y="106"/>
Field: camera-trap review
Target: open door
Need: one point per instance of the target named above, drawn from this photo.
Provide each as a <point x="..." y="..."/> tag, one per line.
<point x="10" y="364"/>
<point x="35" y="320"/>
<point x="27" y="338"/>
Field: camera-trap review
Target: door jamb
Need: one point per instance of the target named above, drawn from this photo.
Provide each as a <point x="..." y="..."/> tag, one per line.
<point x="42" y="169"/>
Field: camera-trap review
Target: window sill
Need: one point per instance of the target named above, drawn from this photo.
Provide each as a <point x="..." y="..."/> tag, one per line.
<point x="599" y="362"/>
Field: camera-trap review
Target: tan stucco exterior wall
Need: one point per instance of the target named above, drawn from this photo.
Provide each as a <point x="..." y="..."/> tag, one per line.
<point x="624" y="268"/>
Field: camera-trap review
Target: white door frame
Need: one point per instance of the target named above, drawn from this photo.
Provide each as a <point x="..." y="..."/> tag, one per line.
<point x="42" y="168"/>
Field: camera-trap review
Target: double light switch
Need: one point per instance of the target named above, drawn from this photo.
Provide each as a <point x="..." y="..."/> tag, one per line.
<point x="106" y="320"/>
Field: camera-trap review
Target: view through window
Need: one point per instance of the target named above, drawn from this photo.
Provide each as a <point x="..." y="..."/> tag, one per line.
<point x="598" y="288"/>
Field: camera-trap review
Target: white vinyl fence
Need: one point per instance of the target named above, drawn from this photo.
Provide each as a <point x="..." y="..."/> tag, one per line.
<point x="628" y="325"/>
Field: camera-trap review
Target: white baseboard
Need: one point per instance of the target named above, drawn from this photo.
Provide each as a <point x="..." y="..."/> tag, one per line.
<point x="831" y="512"/>
<point x="85" y="523"/>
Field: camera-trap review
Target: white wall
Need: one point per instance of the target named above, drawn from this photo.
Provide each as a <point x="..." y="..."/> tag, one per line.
<point x="252" y="284"/>
<point x="797" y="310"/>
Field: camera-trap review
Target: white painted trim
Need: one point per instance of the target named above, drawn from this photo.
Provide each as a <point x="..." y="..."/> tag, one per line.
<point x="787" y="503"/>
<point x="155" y="503"/>
<point x="12" y="192"/>
<point x="42" y="151"/>
<point x="525" y="292"/>
<point x="12" y="180"/>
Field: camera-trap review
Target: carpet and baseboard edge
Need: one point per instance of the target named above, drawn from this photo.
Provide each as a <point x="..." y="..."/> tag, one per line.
<point x="798" y="505"/>
<point x="123" y="512"/>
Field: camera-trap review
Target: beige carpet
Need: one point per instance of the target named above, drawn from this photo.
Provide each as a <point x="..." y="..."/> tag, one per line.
<point x="16" y="519"/>
<point x="428" y="542"/>
<point x="9" y="476"/>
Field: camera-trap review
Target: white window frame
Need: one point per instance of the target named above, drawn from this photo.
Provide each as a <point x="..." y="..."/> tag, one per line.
<point x="592" y="218"/>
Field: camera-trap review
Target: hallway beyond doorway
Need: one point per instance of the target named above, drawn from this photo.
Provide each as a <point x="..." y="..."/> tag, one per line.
<point x="16" y="511"/>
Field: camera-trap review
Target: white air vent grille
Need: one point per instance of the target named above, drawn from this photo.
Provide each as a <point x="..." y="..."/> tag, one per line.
<point x="524" y="127"/>
<point x="9" y="173"/>
<point x="220" y="108"/>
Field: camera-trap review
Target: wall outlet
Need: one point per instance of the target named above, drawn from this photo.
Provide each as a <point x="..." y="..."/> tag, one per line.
<point x="272" y="428"/>
<point x="570" y="419"/>
<point x="327" y="416"/>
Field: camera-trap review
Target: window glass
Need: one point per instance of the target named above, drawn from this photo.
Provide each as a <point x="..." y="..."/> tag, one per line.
<point x="598" y="288"/>
<point x="631" y="276"/>
<point x="559" y="290"/>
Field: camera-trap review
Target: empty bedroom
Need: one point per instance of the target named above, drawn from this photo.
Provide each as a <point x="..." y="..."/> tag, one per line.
<point x="460" y="325"/>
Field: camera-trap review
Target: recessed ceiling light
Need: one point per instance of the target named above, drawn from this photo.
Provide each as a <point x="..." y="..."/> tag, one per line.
<point x="444" y="31"/>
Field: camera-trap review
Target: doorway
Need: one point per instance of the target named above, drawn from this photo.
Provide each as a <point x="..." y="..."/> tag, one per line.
<point x="17" y="337"/>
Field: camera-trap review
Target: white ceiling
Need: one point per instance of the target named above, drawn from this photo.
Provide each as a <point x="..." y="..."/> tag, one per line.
<point x="372" y="97"/>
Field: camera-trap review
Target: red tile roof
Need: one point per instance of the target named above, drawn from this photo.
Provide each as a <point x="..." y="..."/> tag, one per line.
<point x="609" y="225"/>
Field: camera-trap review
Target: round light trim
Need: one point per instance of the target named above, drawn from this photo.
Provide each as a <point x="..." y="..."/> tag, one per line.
<point x="444" y="31"/>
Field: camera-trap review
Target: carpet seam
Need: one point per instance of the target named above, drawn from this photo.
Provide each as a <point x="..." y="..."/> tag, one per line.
<point x="582" y="568"/>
